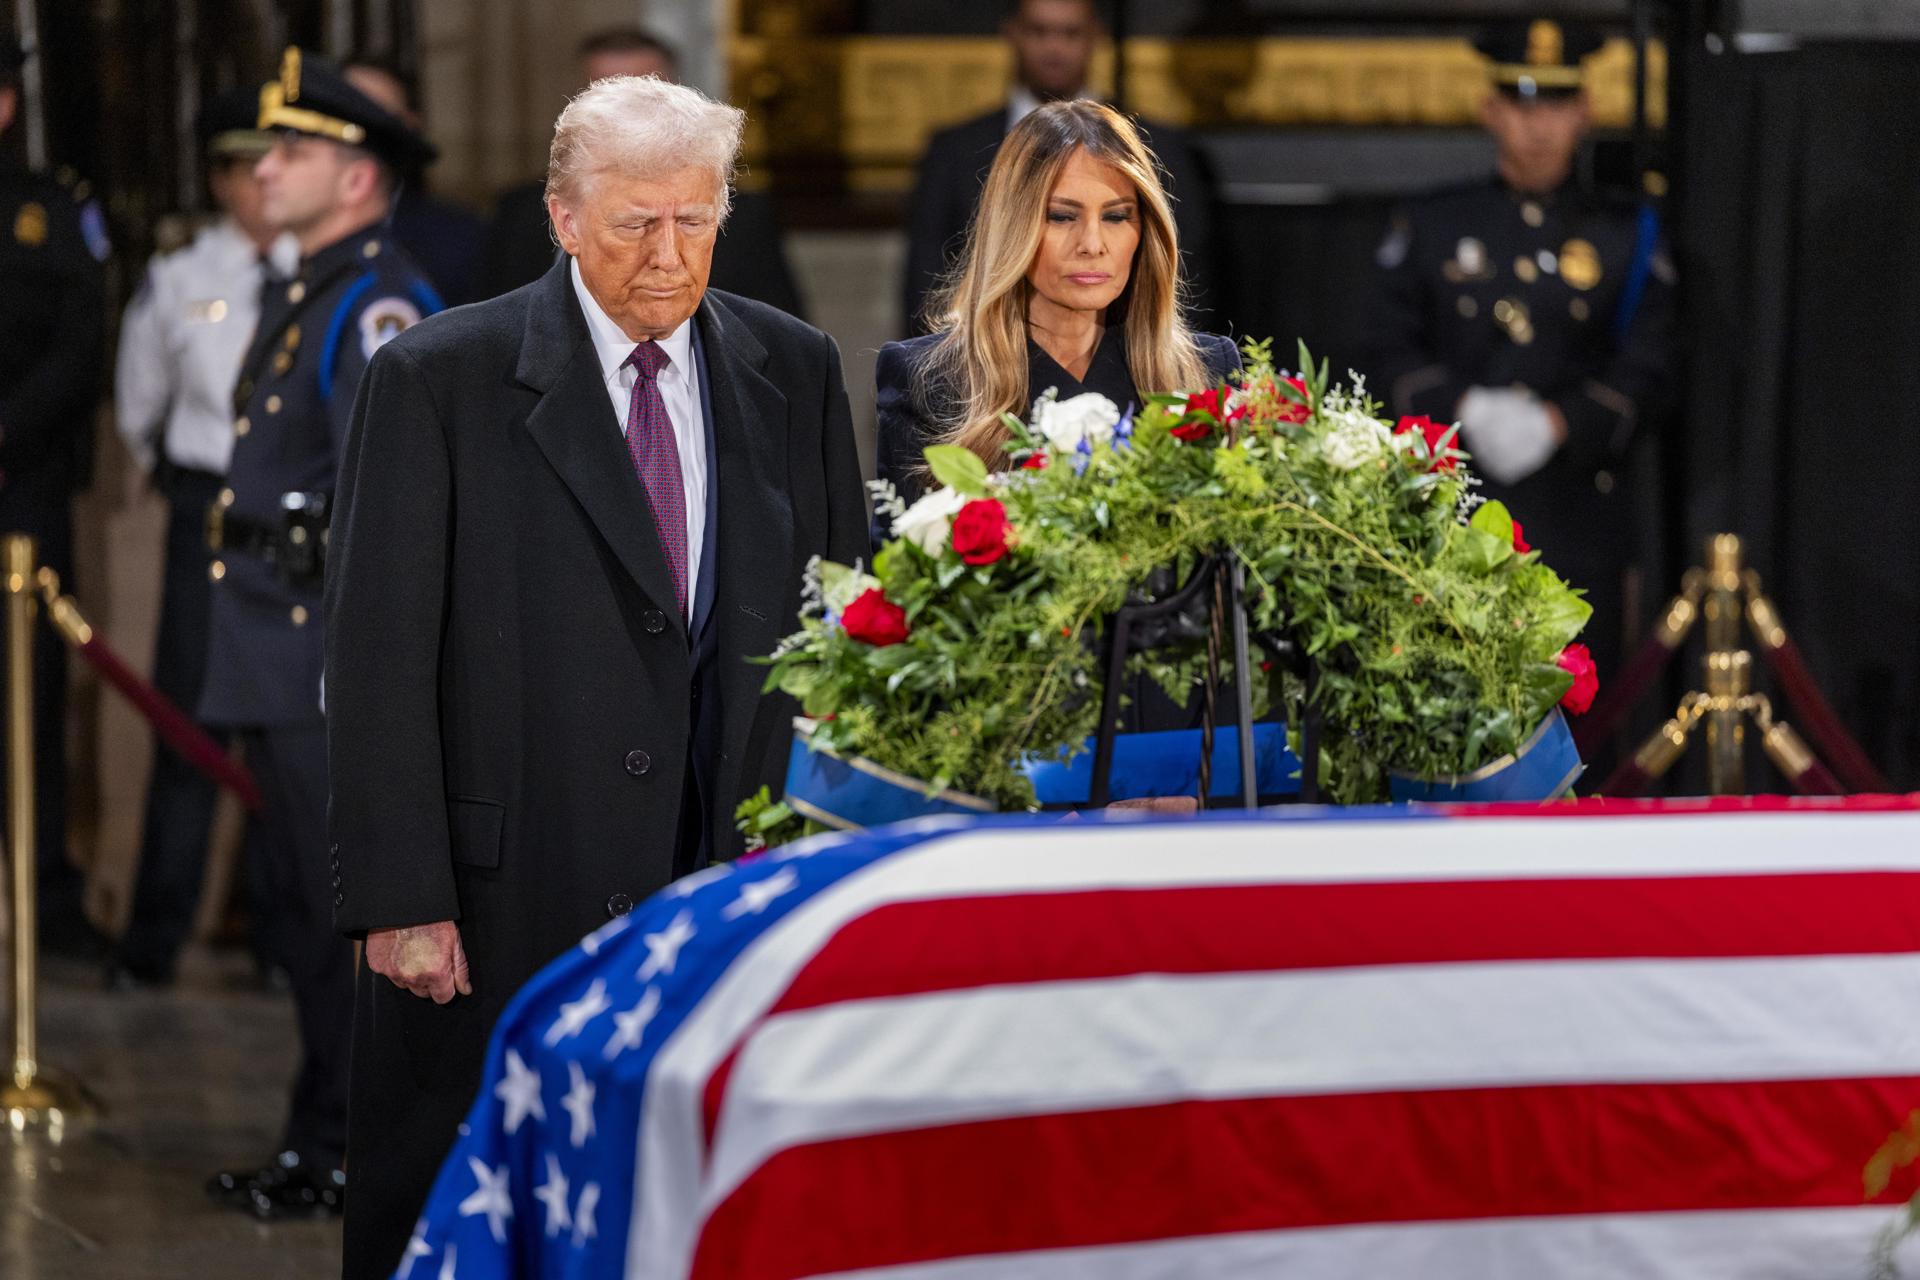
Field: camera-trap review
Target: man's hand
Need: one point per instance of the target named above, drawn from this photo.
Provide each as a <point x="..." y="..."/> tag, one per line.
<point x="425" y="959"/>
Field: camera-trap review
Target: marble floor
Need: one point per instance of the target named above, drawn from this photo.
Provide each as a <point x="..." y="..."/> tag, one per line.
<point x="193" y="1079"/>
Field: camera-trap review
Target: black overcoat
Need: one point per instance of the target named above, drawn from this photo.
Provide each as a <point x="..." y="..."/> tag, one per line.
<point x="509" y="685"/>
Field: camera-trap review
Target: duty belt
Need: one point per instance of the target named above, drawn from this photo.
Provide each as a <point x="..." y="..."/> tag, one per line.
<point x="228" y="532"/>
<point x="297" y="549"/>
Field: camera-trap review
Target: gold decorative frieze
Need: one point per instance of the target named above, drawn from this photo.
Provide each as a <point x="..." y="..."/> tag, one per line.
<point x="866" y="105"/>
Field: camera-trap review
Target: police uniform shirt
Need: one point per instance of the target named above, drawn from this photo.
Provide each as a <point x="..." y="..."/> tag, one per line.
<point x="294" y="401"/>
<point x="52" y="245"/>
<point x="182" y="341"/>
<point x="1565" y="295"/>
<point x="1485" y="286"/>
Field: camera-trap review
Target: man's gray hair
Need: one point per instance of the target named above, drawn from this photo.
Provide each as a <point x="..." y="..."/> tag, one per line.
<point x="642" y="126"/>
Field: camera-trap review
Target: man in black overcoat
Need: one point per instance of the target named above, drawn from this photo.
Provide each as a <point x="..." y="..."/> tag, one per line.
<point x="1053" y="43"/>
<point x="567" y="519"/>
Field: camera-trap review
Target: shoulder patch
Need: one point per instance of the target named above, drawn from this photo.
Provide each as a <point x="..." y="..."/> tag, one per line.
<point x="93" y="229"/>
<point x="384" y="319"/>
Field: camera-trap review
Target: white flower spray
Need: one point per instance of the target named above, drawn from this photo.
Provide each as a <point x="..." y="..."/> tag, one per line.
<point x="928" y="523"/>
<point x="1088" y="419"/>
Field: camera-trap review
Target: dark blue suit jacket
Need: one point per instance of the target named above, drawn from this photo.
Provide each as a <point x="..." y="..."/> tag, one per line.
<point x="906" y="422"/>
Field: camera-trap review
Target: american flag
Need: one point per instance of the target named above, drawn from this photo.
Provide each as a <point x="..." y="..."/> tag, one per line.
<point x="1603" y="1044"/>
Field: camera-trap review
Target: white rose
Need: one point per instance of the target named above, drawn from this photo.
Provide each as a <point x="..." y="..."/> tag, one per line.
<point x="928" y="522"/>
<point x="1065" y="423"/>
<point x="1353" y="439"/>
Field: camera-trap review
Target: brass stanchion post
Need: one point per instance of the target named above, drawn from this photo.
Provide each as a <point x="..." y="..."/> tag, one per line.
<point x="31" y="1097"/>
<point x="20" y="835"/>
<point x="1729" y="670"/>
<point x="1724" y="592"/>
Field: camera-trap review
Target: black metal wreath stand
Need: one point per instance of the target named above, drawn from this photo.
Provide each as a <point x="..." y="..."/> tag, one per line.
<point x="1144" y="625"/>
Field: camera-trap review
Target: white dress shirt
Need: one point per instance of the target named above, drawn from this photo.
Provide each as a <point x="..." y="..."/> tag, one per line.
<point x="679" y="388"/>
<point x="1022" y="102"/>
<point x="182" y="343"/>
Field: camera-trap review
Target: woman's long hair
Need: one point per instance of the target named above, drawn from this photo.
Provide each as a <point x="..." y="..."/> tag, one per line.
<point x="979" y="365"/>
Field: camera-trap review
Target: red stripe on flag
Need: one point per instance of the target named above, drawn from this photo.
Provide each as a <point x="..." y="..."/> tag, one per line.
<point x="953" y="943"/>
<point x="949" y="944"/>
<point x="1085" y="1179"/>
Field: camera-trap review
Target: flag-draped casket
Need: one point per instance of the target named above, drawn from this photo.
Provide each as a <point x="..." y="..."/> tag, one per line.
<point x="1606" y="1044"/>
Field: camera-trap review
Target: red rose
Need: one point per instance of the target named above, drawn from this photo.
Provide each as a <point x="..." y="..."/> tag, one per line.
<point x="1036" y="461"/>
<point x="1290" y="411"/>
<point x="1203" y="407"/>
<point x="1586" y="678"/>
<point x="1435" y="434"/>
<point x="980" y="531"/>
<point x="874" y="619"/>
<point x="1520" y="544"/>
<point x="1207" y="402"/>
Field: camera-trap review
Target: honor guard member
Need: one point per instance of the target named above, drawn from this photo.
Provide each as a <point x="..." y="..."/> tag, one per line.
<point x="181" y="343"/>
<point x="1539" y="316"/>
<point x="52" y="318"/>
<point x="328" y="179"/>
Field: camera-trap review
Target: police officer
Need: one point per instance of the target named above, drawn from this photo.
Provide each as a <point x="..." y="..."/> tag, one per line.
<point x="181" y="343"/>
<point x="52" y="303"/>
<point x="328" y="180"/>
<point x="1538" y="315"/>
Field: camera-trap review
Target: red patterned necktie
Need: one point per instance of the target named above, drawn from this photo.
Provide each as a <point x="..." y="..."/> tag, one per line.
<point x="656" y="460"/>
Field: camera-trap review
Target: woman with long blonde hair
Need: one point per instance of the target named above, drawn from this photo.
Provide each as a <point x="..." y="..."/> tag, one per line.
<point x="1070" y="280"/>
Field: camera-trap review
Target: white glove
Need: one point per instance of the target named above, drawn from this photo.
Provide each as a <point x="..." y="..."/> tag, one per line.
<point x="1508" y="431"/>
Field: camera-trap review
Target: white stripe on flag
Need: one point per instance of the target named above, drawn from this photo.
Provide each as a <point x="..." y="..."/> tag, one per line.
<point x="1065" y="857"/>
<point x="1794" y="1244"/>
<point x="880" y="1066"/>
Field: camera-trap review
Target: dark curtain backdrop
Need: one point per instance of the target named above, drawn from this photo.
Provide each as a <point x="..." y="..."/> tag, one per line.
<point x="1801" y="256"/>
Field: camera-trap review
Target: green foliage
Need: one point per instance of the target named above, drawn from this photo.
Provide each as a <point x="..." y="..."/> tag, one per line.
<point x="959" y="469"/>
<point x="767" y="822"/>
<point x="1434" y="641"/>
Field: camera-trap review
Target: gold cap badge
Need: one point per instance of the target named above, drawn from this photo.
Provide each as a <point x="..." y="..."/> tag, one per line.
<point x="1546" y="44"/>
<point x="277" y="113"/>
<point x="1546" y="65"/>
